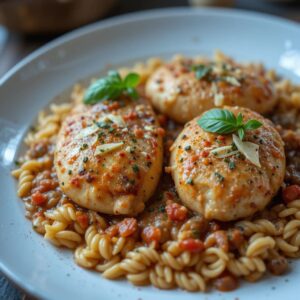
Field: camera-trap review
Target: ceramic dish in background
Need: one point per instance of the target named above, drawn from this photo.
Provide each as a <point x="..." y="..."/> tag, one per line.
<point x="28" y="259"/>
<point x="49" y="17"/>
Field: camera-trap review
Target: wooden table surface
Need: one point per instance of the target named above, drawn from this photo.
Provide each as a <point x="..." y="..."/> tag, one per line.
<point x="13" y="47"/>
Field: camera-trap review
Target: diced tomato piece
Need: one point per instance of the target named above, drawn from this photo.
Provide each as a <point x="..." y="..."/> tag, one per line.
<point x="83" y="220"/>
<point x="226" y="283"/>
<point x="151" y="234"/>
<point x="206" y="143"/>
<point x="115" y="105"/>
<point x="76" y="182"/>
<point x="221" y="138"/>
<point x="127" y="227"/>
<point x="38" y="198"/>
<point x="204" y="153"/>
<point x="194" y="158"/>
<point x="192" y="245"/>
<point x="112" y="230"/>
<point x="46" y="185"/>
<point x="175" y="211"/>
<point x="168" y="195"/>
<point x="162" y="120"/>
<point x="131" y="116"/>
<point x="236" y="238"/>
<point x="138" y="132"/>
<point x="291" y="193"/>
<point x="160" y="131"/>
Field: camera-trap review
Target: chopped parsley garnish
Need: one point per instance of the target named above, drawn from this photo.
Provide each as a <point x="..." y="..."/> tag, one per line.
<point x="84" y="146"/>
<point x="196" y="233"/>
<point x="231" y="165"/>
<point x="85" y="159"/>
<point x="162" y="208"/>
<point x="132" y="181"/>
<point x="201" y="71"/>
<point x="220" y="178"/>
<point x="70" y="172"/>
<point x="187" y="147"/>
<point x="112" y="87"/>
<point x="135" y="168"/>
<point x="190" y="181"/>
<point x="103" y="125"/>
<point x="101" y="134"/>
<point x="223" y="121"/>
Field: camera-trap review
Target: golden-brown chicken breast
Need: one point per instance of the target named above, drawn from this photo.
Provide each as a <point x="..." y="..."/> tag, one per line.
<point x="229" y="186"/>
<point x="184" y="88"/>
<point x="109" y="157"/>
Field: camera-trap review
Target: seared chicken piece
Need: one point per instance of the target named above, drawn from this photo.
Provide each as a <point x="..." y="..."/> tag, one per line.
<point x="231" y="187"/>
<point x="183" y="89"/>
<point x="109" y="157"/>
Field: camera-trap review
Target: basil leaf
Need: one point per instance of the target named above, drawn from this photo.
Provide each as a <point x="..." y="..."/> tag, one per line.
<point x="132" y="80"/>
<point x="112" y="87"/>
<point x="223" y="121"/>
<point x="241" y="133"/>
<point x="114" y="76"/>
<point x="201" y="71"/>
<point x="252" y="124"/>
<point x="98" y="91"/>
<point x="132" y="93"/>
<point x="239" y="119"/>
<point x="217" y="120"/>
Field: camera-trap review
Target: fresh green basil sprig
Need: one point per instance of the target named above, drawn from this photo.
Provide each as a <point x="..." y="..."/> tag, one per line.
<point x="223" y="121"/>
<point x="112" y="87"/>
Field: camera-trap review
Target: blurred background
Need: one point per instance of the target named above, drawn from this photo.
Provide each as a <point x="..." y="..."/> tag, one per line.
<point x="26" y="25"/>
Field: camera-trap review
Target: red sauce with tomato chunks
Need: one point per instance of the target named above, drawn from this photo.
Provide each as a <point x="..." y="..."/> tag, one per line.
<point x="291" y="193"/>
<point x="38" y="198"/>
<point x="151" y="234"/>
<point x="165" y="218"/>
<point x="127" y="227"/>
<point x="192" y="245"/>
<point x="226" y="283"/>
<point x="83" y="219"/>
<point x="176" y="212"/>
<point x="278" y="265"/>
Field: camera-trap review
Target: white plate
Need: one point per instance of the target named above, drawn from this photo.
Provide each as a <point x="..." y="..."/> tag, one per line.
<point x="25" y="257"/>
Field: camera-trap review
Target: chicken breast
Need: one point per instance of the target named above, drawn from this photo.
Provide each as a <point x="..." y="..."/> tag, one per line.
<point x="231" y="187"/>
<point x="109" y="157"/>
<point x="183" y="88"/>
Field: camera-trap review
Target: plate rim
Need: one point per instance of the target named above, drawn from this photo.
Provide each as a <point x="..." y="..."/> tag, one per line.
<point x="117" y="21"/>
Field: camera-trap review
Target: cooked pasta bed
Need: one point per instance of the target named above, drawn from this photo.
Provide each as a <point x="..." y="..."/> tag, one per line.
<point x="167" y="245"/>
